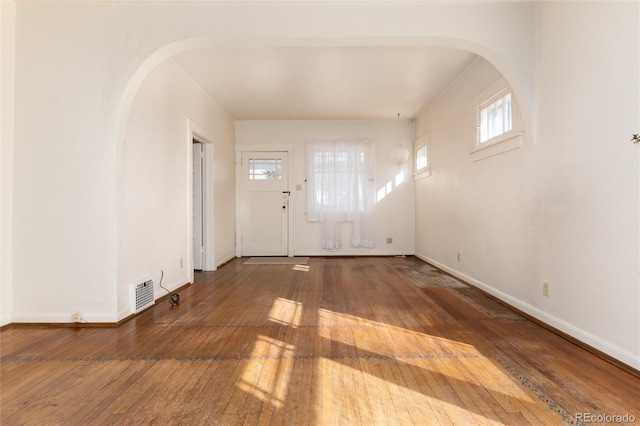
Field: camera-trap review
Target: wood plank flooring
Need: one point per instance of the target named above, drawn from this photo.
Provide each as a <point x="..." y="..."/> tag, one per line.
<point x="364" y="341"/>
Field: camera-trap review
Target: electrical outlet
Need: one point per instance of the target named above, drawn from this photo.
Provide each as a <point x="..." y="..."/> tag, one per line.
<point x="76" y="317"/>
<point x="181" y="263"/>
<point x="458" y="257"/>
<point x="389" y="240"/>
<point x="545" y="288"/>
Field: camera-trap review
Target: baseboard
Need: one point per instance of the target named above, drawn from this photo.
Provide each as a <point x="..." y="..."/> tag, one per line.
<point x="173" y="287"/>
<point x="226" y="259"/>
<point x="61" y="325"/>
<point x="61" y="318"/>
<point x="594" y="344"/>
<point x="347" y="253"/>
<point x="124" y="313"/>
<point x="89" y="320"/>
<point x="5" y="320"/>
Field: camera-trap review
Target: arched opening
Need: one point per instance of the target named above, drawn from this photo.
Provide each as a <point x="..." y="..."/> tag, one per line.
<point x="149" y="177"/>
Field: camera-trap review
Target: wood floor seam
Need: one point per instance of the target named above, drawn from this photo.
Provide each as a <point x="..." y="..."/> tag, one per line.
<point x="524" y="381"/>
<point x="278" y="326"/>
<point x="249" y="358"/>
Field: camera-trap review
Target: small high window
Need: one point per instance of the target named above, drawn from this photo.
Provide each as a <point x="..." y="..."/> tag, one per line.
<point x="495" y="117"/>
<point x="499" y="122"/>
<point x="422" y="162"/>
<point x="421" y="158"/>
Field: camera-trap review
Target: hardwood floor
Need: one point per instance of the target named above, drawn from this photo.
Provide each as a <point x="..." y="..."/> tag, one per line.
<point x="337" y="341"/>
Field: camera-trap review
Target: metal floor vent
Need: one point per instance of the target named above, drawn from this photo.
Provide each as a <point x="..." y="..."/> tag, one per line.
<point x="143" y="295"/>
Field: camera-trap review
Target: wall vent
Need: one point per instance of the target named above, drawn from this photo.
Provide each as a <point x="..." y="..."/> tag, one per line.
<point x="143" y="295"/>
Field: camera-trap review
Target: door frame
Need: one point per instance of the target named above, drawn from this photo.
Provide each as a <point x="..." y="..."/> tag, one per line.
<point x="288" y="148"/>
<point x="196" y="132"/>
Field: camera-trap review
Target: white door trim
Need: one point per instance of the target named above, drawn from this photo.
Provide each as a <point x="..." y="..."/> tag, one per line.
<point x="288" y="148"/>
<point x="198" y="133"/>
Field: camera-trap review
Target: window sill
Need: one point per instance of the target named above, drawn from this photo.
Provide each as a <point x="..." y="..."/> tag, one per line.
<point x="502" y="144"/>
<point x="422" y="174"/>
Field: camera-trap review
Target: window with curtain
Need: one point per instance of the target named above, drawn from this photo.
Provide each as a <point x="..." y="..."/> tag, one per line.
<point x="341" y="188"/>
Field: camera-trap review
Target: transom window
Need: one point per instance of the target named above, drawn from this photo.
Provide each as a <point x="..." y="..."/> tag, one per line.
<point x="495" y="117"/>
<point x="422" y="161"/>
<point x="265" y="168"/>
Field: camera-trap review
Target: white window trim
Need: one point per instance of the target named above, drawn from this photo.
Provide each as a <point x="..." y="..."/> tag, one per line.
<point x="424" y="172"/>
<point x="505" y="142"/>
<point x="498" y="96"/>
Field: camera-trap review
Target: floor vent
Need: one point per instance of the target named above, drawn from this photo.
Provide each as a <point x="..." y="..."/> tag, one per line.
<point x="143" y="295"/>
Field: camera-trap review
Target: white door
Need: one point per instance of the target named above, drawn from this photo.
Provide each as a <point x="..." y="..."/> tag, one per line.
<point x="265" y="204"/>
<point x="198" y="206"/>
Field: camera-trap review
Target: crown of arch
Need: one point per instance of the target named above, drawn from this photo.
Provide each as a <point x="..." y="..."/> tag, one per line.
<point x="523" y="92"/>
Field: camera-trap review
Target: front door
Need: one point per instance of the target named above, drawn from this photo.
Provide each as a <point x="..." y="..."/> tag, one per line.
<point x="265" y="204"/>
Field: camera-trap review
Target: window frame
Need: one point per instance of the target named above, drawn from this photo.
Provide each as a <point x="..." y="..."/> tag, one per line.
<point x="422" y="172"/>
<point x="501" y="95"/>
<point x="506" y="141"/>
<point x="275" y="174"/>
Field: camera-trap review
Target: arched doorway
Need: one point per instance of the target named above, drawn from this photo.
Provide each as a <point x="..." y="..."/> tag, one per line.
<point x="182" y="261"/>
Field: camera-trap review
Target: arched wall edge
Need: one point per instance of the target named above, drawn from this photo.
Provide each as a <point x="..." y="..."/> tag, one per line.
<point x="523" y="92"/>
<point x="525" y="95"/>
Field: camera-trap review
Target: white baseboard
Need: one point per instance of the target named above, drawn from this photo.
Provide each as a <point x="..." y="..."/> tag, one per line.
<point x="171" y="287"/>
<point x="61" y="317"/>
<point x="124" y="313"/>
<point x="158" y="293"/>
<point x="342" y="252"/>
<point x="5" y="319"/>
<point x="577" y="333"/>
<point x="225" y="259"/>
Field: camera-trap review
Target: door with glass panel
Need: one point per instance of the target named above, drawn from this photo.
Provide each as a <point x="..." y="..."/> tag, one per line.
<point x="264" y="204"/>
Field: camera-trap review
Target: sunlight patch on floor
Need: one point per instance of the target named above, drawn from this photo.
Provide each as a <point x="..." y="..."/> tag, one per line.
<point x="328" y="319"/>
<point x="302" y="268"/>
<point x="375" y="339"/>
<point x="268" y="379"/>
<point x="268" y="372"/>
<point x="286" y="312"/>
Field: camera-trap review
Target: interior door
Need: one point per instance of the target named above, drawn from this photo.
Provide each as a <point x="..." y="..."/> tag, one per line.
<point x="265" y="204"/>
<point x="198" y="206"/>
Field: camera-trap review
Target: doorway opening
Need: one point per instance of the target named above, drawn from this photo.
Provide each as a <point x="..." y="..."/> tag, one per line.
<point x="201" y="235"/>
<point x="198" y="206"/>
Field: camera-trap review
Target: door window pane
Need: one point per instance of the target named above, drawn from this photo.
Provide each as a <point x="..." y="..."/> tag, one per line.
<point x="265" y="168"/>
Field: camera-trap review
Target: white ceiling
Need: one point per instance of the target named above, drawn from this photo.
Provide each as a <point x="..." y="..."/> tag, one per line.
<point x="324" y="83"/>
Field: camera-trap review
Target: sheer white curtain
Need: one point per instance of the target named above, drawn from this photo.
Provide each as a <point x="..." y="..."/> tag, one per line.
<point x="341" y="188"/>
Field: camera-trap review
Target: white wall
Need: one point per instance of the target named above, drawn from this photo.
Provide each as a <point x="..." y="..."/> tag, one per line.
<point x="7" y="62"/>
<point x="154" y="182"/>
<point x="586" y="200"/>
<point x="76" y="74"/>
<point x="563" y="209"/>
<point x="476" y="209"/>
<point x="394" y="211"/>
